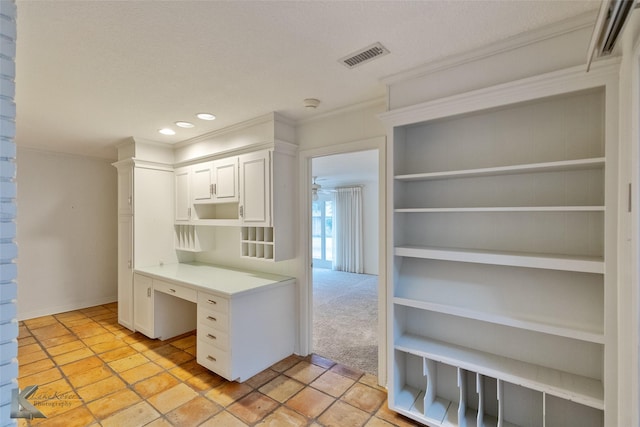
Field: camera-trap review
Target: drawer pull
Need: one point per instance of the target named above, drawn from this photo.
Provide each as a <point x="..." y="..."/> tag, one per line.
<point x="213" y="337"/>
<point x="210" y="301"/>
<point x="213" y="359"/>
<point x="172" y="290"/>
<point x="212" y="318"/>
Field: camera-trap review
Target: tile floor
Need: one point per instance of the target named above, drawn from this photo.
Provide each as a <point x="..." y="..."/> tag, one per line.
<point x="91" y="371"/>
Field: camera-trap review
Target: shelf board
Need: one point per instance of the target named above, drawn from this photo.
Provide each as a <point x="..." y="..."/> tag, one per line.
<point x="565" y="165"/>
<point x="258" y="242"/>
<point x="577" y="388"/>
<point x="568" y="332"/>
<point x="215" y="222"/>
<point x="505" y="209"/>
<point x="514" y="259"/>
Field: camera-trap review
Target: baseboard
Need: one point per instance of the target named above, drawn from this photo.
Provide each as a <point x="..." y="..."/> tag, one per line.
<point x="67" y="307"/>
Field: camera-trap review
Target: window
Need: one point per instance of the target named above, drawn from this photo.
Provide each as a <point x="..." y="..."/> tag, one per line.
<point x="322" y="233"/>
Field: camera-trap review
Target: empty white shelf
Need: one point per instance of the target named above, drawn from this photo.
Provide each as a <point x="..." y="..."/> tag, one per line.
<point x="565" y="165"/>
<point x="516" y="259"/>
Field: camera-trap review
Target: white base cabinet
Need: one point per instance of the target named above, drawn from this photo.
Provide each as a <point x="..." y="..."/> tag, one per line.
<point x="245" y="321"/>
<point x="502" y="287"/>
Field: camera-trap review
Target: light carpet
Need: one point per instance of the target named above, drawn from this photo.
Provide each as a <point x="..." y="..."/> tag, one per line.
<point x="345" y="318"/>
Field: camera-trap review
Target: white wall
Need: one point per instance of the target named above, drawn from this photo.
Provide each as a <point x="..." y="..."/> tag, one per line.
<point x="67" y="232"/>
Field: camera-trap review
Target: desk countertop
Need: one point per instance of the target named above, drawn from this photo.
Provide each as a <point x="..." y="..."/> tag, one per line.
<point x="220" y="280"/>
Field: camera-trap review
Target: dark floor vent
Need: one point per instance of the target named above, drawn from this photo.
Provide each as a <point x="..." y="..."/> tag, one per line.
<point x="362" y="56"/>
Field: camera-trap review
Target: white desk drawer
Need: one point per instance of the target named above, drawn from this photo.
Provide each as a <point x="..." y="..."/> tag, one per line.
<point x="213" y="319"/>
<point x="213" y="302"/>
<point x="175" y="290"/>
<point x="213" y="358"/>
<point x="213" y="336"/>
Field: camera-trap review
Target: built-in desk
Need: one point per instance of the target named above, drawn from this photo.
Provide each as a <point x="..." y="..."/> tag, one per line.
<point x="245" y="320"/>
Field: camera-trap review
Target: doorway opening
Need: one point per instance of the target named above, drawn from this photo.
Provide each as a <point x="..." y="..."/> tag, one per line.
<point x="345" y="298"/>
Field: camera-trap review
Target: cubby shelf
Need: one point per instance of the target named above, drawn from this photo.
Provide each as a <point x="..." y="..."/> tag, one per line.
<point x="516" y="259"/>
<point x="576" y="388"/>
<point x="565" y="165"/>
<point x="513" y="321"/>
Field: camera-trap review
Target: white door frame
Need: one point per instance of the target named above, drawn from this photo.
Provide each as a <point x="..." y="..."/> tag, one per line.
<point x="306" y="274"/>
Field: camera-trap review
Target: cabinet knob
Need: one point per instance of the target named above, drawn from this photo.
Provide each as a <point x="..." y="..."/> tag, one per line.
<point x="213" y="337"/>
<point x="213" y="359"/>
<point x="210" y="301"/>
<point x="212" y="318"/>
<point x="173" y="290"/>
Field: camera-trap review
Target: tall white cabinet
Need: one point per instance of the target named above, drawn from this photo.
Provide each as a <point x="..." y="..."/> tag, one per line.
<point x="145" y="205"/>
<point x="502" y="296"/>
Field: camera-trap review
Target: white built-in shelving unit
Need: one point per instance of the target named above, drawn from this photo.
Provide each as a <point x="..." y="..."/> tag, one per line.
<point x="502" y="287"/>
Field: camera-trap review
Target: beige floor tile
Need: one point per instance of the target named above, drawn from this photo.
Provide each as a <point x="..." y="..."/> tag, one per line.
<point x="371" y="381"/>
<point x="65" y="348"/>
<point x="321" y="361"/>
<point x="40" y="322"/>
<point x="73" y="356"/>
<point x="23" y="341"/>
<point x="310" y="402"/>
<point x="223" y="419"/>
<point x="160" y="422"/>
<point x="253" y="407"/>
<point x="305" y="372"/>
<point x="341" y="414"/>
<point x="261" y="378"/>
<point x="377" y="422"/>
<point x="345" y="371"/>
<point x="100" y="338"/>
<point x="184" y="342"/>
<point x="118" y="353"/>
<point x="204" y="381"/>
<point x="394" y="418"/>
<point x="101" y="388"/>
<point x="108" y="405"/>
<point x="286" y="363"/>
<point x="193" y="412"/>
<point x="88" y="330"/>
<point x="228" y="393"/>
<point x="40" y="378"/>
<point x="55" y="398"/>
<point x="283" y="417"/>
<point x="33" y="356"/>
<point x="90" y="376"/>
<point x="174" y="359"/>
<point x="23" y="349"/>
<point x="332" y="383"/>
<point x="50" y="331"/>
<point x="27" y="369"/>
<point x="77" y="417"/>
<point x="155" y="384"/>
<point x="61" y="339"/>
<point x="173" y="397"/>
<point x="137" y="415"/>
<point x="281" y="388"/>
<point x="127" y="363"/>
<point x="82" y="365"/>
<point x="106" y="346"/>
<point x="364" y="397"/>
<point x="140" y="373"/>
<point x="188" y="370"/>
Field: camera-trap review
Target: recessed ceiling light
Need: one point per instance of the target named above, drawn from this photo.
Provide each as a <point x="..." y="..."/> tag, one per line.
<point x="205" y="116"/>
<point x="167" y="131"/>
<point x="185" y="124"/>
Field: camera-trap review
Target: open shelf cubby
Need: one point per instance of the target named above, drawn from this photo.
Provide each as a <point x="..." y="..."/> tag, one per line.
<point x="257" y="242"/>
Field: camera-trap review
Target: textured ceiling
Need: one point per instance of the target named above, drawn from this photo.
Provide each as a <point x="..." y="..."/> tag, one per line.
<point x="93" y="73"/>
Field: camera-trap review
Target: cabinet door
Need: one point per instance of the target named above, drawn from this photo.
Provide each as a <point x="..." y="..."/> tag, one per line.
<point x="143" y="304"/>
<point x="125" y="271"/>
<point x="183" y="201"/>
<point x="255" y="184"/>
<point x="202" y="182"/>
<point x="125" y="190"/>
<point x="225" y="176"/>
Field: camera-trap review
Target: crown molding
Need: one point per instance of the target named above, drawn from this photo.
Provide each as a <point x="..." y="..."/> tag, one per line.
<point x="585" y="20"/>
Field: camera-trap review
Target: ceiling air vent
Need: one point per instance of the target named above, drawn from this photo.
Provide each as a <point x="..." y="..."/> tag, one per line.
<point x="362" y="56"/>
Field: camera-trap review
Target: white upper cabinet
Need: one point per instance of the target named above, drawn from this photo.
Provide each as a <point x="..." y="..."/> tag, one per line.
<point x="183" y="200"/>
<point x="215" y="182"/>
<point x="255" y="184"/>
<point x="225" y="180"/>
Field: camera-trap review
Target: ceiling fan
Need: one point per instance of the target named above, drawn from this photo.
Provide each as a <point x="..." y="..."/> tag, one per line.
<point x="315" y="189"/>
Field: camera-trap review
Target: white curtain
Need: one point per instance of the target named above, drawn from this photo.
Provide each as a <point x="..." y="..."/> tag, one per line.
<point x="347" y="230"/>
